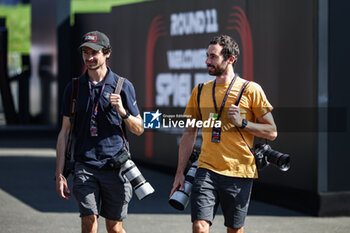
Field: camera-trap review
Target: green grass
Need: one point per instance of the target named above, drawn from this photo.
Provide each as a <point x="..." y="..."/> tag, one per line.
<point x="93" y="6"/>
<point x="18" y="19"/>
<point x="88" y="6"/>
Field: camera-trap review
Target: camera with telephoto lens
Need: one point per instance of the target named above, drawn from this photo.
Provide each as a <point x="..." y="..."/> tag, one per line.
<point x="128" y="169"/>
<point x="180" y="198"/>
<point x="264" y="155"/>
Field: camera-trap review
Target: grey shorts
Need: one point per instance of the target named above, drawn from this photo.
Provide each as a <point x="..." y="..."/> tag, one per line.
<point x="101" y="192"/>
<point x="211" y="189"/>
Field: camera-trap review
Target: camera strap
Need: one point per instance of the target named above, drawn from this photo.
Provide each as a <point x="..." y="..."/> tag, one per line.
<point x="119" y="86"/>
<point x="240" y="93"/>
<point x="239" y="96"/>
<point x="118" y="90"/>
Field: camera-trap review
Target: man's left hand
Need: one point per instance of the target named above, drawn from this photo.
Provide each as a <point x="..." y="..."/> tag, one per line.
<point x="117" y="103"/>
<point x="234" y="114"/>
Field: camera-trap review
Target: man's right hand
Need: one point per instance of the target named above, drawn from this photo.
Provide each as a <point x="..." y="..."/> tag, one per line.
<point x="62" y="140"/>
<point x="178" y="183"/>
<point x="62" y="187"/>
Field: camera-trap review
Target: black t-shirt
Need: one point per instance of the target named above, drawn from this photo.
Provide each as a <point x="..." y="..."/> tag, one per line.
<point x="96" y="150"/>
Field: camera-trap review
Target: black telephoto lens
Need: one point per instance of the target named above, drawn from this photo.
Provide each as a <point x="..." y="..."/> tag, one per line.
<point x="282" y="161"/>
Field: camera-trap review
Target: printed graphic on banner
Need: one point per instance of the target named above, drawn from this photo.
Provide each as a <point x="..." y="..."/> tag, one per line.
<point x="151" y="120"/>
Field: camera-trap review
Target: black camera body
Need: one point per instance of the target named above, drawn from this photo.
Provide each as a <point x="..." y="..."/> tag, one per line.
<point x="194" y="155"/>
<point x="264" y="155"/>
<point x="119" y="159"/>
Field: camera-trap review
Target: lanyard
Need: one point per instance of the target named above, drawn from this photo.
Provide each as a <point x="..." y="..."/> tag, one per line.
<point x="95" y="105"/>
<point x="225" y="98"/>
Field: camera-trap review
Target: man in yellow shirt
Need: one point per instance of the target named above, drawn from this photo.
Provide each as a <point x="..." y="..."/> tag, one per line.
<point x="226" y="165"/>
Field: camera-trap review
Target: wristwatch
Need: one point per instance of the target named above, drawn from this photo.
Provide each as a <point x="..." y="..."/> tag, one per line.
<point x="244" y="124"/>
<point x="126" y="116"/>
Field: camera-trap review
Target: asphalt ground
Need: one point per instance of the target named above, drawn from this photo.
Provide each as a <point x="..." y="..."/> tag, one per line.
<point x="29" y="202"/>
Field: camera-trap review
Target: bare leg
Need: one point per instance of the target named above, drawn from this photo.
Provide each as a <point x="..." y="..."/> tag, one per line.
<point x="200" y="226"/>
<point x="114" y="226"/>
<point x="89" y="224"/>
<point x="235" y="230"/>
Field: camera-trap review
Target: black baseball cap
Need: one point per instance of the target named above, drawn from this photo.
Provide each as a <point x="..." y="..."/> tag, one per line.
<point x="95" y="40"/>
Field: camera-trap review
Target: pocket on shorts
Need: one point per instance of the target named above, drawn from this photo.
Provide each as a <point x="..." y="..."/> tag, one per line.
<point x="202" y="180"/>
<point x="128" y="192"/>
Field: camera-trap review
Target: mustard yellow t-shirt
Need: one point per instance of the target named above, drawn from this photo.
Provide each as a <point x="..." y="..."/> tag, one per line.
<point x="231" y="156"/>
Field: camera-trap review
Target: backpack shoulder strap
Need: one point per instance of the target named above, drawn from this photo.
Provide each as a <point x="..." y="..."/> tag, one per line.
<point x="240" y="94"/>
<point x="119" y="86"/>
<point x="200" y="86"/>
<point x="72" y="116"/>
<point x="74" y="97"/>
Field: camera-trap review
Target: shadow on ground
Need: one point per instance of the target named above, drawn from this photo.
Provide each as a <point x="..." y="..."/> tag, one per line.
<point x="30" y="180"/>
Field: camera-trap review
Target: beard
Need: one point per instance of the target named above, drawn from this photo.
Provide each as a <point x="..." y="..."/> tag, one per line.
<point x="217" y="70"/>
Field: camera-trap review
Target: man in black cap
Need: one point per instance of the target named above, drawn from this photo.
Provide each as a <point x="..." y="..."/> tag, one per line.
<point x="101" y="117"/>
